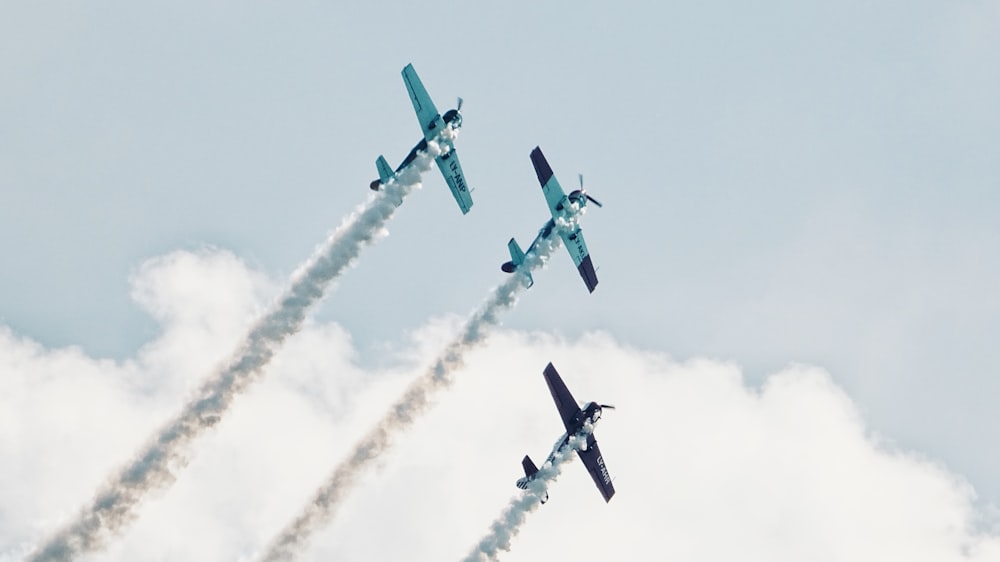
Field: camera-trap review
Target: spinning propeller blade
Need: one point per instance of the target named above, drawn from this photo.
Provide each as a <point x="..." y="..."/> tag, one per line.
<point x="585" y="194"/>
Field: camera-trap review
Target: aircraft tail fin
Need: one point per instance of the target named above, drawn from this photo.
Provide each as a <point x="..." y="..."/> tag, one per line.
<point x="385" y="173"/>
<point x="516" y="259"/>
<point x="516" y="253"/>
<point x="529" y="473"/>
<point x="529" y="467"/>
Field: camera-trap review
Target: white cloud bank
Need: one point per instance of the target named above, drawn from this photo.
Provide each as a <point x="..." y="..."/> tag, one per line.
<point x="115" y="504"/>
<point x="406" y="410"/>
<point x="706" y="467"/>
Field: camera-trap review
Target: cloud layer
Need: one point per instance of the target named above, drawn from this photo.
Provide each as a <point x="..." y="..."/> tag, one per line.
<point x="706" y="467"/>
<point x="155" y="466"/>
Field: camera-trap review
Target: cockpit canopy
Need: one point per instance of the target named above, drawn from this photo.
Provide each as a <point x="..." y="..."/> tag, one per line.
<point x="591" y="411"/>
<point x="453" y="118"/>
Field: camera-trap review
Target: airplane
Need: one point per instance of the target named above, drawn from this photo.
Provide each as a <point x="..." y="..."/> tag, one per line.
<point x="565" y="211"/>
<point x="432" y="124"/>
<point x="574" y="418"/>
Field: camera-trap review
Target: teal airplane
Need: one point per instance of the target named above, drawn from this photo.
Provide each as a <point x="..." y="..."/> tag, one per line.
<point x="432" y="124"/>
<point x="565" y="211"/>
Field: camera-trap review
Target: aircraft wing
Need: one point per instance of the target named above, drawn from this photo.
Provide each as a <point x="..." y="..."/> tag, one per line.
<point x="550" y="186"/>
<point x="594" y="462"/>
<point x="568" y="407"/>
<point x="451" y="168"/>
<point x="427" y="114"/>
<point x="581" y="257"/>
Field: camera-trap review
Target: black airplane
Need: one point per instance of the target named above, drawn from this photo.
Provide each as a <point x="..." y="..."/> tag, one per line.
<point x="574" y="418"/>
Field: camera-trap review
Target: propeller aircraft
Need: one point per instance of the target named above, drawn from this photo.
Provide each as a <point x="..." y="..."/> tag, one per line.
<point x="432" y="124"/>
<point x="566" y="211"/>
<point x="574" y="419"/>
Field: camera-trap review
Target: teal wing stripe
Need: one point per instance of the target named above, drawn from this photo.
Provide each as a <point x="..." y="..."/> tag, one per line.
<point x="427" y="114"/>
<point x="581" y="257"/>
<point x="451" y="169"/>
<point x="576" y="245"/>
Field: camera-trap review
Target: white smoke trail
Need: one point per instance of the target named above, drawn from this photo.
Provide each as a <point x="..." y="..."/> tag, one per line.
<point x="402" y="414"/>
<point x="114" y="506"/>
<point x="509" y="524"/>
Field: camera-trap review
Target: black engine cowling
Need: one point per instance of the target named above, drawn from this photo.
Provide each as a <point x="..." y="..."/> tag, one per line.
<point x="453" y="118"/>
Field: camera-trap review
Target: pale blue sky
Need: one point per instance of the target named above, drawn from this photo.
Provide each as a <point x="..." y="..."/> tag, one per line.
<point x="795" y="182"/>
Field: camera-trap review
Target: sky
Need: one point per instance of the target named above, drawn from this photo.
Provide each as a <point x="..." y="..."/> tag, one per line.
<point x="797" y="258"/>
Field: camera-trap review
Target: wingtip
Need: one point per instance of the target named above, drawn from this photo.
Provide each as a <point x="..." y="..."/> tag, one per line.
<point x="550" y="370"/>
<point x="542" y="168"/>
<point x="586" y="269"/>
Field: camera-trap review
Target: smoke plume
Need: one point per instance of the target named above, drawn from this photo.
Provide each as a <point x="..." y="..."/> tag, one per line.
<point x="402" y="414"/>
<point x="114" y="506"/>
<point x="506" y="527"/>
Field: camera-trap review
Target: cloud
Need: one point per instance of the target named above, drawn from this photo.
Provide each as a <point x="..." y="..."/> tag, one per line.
<point x="115" y="504"/>
<point x="706" y="467"/>
<point x="69" y="420"/>
<point x="402" y="414"/>
<point x="514" y="515"/>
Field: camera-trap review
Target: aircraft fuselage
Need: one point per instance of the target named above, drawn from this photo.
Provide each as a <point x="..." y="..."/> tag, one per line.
<point x="566" y="211"/>
<point x="446" y="147"/>
<point x="446" y="144"/>
<point x="590" y="413"/>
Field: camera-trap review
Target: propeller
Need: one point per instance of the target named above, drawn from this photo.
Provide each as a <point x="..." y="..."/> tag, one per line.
<point x="459" y="103"/>
<point x="608" y="406"/>
<point x="587" y="195"/>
